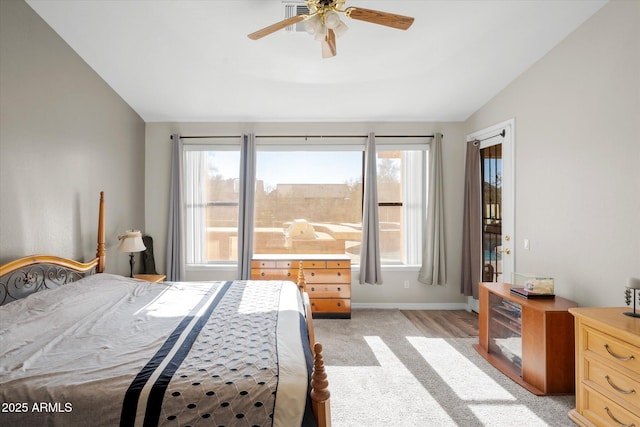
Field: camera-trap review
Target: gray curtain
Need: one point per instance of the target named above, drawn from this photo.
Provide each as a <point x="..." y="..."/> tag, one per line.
<point x="434" y="268"/>
<point x="247" y="204"/>
<point x="472" y="223"/>
<point x="370" y="271"/>
<point x="175" y="232"/>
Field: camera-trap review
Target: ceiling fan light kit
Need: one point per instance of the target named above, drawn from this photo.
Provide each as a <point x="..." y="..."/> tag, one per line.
<point x="324" y="23"/>
<point x="319" y="29"/>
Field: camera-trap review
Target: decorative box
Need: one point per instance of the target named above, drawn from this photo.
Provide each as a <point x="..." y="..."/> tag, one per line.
<point x="533" y="283"/>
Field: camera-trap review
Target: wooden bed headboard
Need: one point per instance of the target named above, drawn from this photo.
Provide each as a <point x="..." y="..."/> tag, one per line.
<point x="34" y="273"/>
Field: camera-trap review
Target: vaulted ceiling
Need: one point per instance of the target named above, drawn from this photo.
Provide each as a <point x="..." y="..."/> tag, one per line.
<point x="181" y="60"/>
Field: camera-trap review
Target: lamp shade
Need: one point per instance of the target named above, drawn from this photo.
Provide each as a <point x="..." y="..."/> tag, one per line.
<point x="131" y="241"/>
<point x="633" y="283"/>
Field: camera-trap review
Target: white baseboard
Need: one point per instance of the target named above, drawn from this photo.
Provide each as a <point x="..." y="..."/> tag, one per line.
<point x="412" y="306"/>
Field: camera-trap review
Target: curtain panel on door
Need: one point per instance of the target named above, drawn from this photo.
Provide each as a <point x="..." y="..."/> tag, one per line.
<point x="472" y="222"/>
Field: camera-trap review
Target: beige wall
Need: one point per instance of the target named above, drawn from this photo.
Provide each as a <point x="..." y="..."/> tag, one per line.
<point x="577" y="151"/>
<point x="392" y="291"/>
<point x="64" y="137"/>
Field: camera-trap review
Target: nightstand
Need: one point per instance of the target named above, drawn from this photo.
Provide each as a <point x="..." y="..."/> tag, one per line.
<point x="156" y="278"/>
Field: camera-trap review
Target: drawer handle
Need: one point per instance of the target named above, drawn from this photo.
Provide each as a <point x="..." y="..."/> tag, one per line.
<point x="313" y="274"/>
<point x="621" y="358"/>
<point x="313" y="289"/>
<point x="289" y="274"/>
<point x="339" y="289"/>
<point x="339" y="274"/>
<point x="339" y="305"/>
<point x="262" y="274"/>
<point x="618" y="389"/>
<point x="606" y="408"/>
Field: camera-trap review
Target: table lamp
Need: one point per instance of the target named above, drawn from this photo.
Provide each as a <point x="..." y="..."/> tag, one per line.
<point x="131" y="241"/>
<point x="633" y="286"/>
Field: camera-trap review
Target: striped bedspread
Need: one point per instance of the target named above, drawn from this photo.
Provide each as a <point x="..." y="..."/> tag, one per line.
<point x="108" y="350"/>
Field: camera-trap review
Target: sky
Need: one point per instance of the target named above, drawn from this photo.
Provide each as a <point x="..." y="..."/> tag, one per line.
<point x="299" y="167"/>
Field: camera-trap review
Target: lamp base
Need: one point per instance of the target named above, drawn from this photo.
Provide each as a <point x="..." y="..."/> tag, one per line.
<point x="631" y="313"/>
<point x="131" y="262"/>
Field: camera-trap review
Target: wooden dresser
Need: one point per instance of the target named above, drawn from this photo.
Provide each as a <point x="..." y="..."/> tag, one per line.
<point x="328" y="279"/>
<point x="529" y="340"/>
<point x="607" y="367"/>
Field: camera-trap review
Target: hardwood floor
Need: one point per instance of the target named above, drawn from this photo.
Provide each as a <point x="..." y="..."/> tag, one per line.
<point x="444" y="323"/>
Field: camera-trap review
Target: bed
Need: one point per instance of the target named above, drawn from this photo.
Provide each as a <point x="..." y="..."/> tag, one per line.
<point x="80" y="347"/>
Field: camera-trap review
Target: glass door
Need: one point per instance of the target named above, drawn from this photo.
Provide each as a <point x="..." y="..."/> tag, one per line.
<point x="491" y="169"/>
<point x="497" y="168"/>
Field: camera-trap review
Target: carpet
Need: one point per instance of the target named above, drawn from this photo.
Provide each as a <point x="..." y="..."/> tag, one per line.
<point x="383" y="372"/>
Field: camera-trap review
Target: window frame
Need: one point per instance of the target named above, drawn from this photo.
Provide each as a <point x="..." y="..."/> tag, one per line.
<point x="344" y="143"/>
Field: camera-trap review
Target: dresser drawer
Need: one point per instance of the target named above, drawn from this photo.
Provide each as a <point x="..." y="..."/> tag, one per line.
<point x="620" y="353"/>
<point x="262" y="264"/>
<point x="314" y="264"/>
<point x="329" y="291"/>
<point x="327" y="276"/>
<point x="612" y="381"/>
<point x="339" y="264"/>
<point x="295" y="264"/>
<point x="332" y="305"/>
<point x="268" y="274"/>
<point x="604" y="412"/>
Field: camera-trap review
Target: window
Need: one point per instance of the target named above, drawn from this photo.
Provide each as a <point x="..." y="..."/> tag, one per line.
<point x="308" y="199"/>
<point x="401" y="203"/>
<point x="308" y="202"/>
<point x="211" y="201"/>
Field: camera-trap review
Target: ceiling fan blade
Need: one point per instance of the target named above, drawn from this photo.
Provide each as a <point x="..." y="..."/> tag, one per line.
<point x="277" y="26"/>
<point x="329" y="45"/>
<point x="382" y="18"/>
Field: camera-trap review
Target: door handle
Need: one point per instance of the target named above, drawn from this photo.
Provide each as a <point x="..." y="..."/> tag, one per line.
<point x="506" y="251"/>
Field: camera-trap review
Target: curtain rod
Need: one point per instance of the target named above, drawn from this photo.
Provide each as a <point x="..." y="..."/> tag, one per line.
<point x="344" y="136"/>
<point x="502" y="133"/>
<point x="307" y="136"/>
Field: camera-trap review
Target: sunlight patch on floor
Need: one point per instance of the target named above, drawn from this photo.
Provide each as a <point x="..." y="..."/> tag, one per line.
<point x="512" y="415"/>
<point x="400" y="398"/>
<point x="467" y="380"/>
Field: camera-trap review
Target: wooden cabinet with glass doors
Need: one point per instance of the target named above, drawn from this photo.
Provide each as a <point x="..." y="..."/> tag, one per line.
<point x="529" y="340"/>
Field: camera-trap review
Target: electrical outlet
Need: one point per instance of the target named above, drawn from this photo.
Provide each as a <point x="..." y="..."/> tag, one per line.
<point x="406" y="284"/>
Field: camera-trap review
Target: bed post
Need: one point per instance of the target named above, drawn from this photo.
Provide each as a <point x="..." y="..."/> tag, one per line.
<point x="100" y="253"/>
<point x="302" y="284"/>
<point x="320" y="389"/>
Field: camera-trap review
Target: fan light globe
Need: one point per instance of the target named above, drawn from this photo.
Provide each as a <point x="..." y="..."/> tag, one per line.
<point x="313" y="24"/>
<point x="340" y="29"/>
<point x="331" y="20"/>
<point x="322" y="34"/>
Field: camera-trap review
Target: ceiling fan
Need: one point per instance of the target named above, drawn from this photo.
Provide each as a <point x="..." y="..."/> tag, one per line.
<point x="324" y="23"/>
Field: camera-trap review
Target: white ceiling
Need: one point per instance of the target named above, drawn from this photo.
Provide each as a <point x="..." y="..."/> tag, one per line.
<point x="180" y="60"/>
